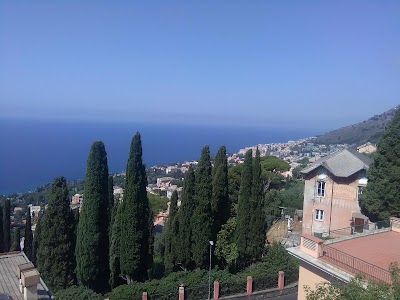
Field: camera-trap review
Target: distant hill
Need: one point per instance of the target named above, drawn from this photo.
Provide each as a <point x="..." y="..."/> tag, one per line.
<point x="367" y="131"/>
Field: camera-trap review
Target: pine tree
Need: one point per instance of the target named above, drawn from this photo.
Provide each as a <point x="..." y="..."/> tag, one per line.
<point x="56" y="259"/>
<point x="185" y="218"/>
<point x="170" y="235"/>
<point x="257" y="220"/>
<point x="36" y="239"/>
<point x="15" y="246"/>
<point x="220" y="197"/>
<point x="381" y="198"/>
<point x="28" y="237"/>
<point x="202" y="218"/>
<point x="92" y="269"/>
<point x="1" y="230"/>
<point x="6" y="226"/>
<point x="135" y="217"/>
<point x="244" y="210"/>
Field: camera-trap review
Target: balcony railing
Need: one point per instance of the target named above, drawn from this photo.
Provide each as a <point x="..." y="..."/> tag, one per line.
<point x="354" y="265"/>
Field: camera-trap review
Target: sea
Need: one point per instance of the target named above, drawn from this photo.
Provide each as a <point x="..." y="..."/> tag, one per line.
<point x="33" y="153"/>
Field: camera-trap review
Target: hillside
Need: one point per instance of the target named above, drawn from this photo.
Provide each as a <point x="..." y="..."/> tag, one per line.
<point x="367" y="131"/>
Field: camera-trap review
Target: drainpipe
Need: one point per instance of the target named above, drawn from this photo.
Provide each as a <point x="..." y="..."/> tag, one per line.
<point x="330" y="213"/>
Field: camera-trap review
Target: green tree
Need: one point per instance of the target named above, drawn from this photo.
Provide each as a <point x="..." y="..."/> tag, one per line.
<point x="78" y="293"/>
<point x="234" y="178"/>
<point x="170" y="235"/>
<point x="111" y="202"/>
<point x="56" y="259"/>
<point x="28" y="237"/>
<point x="202" y="218"/>
<point x="244" y="210"/>
<point x="36" y="239"/>
<point x="257" y="220"/>
<point x="92" y="269"/>
<point x="220" y="198"/>
<point x="15" y="246"/>
<point x="135" y="218"/>
<point x="114" y="259"/>
<point x="185" y="217"/>
<point x="226" y="248"/>
<point x="6" y="225"/>
<point x="1" y="230"/>
<point x="381" y="198"/>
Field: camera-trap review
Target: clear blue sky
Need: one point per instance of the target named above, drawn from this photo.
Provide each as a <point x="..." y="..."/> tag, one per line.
<point x="288" y="63"/>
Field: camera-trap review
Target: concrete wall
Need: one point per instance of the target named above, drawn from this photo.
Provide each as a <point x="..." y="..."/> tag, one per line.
<point x="339" y="203"/>
<point x="310" y="276"/>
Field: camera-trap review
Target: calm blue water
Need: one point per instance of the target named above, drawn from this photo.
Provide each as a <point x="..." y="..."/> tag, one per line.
<point x="32" y="153"/>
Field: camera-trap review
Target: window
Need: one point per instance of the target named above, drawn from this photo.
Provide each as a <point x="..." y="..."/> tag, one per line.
<point x="359" y="191"/>
<point x="319" y="215"/>
<point x="321" y="189"/>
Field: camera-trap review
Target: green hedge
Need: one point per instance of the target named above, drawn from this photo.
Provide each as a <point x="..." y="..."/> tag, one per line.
<point x="77" y="293"/>
<point x="264" y="273"/>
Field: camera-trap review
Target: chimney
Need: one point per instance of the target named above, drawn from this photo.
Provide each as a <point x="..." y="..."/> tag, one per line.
<point x="30" y="279"/>
<point x="21" y="268"/>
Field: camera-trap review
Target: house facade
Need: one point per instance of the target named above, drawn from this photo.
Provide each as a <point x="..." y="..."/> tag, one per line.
<point x="332" y="187"/>
<point x="340" y="259"/>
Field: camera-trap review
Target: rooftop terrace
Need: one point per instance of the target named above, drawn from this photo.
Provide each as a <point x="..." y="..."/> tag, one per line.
<point x="367" y="253"/>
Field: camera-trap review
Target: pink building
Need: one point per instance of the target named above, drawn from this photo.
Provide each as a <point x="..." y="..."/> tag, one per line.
<point x="340" y="259"/>
<point x="332" y="186"/>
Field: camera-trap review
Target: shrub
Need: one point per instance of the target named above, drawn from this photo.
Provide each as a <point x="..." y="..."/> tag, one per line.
<point x="264" y="273"/>
<point x="77" y="293"/>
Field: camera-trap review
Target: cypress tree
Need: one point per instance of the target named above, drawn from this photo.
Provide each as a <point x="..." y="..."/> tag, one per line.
<point x="185" y="217"/>
<point x="244" y="209"/>
<point x="220" y="197"/>
<point x="6" y="226"/>
<point x="202" y="218"/>
<point x="381" y="198"/>
<point x="92" y="246"/>
<point x="36" y="239"/>
<point x="110" y="203"/>
<point x="15" y="246"/>
<point x="28" y="237"/>
<point x="56" y="259"/>
<point x="135" y="217"/>
<point x="1" y="230"/>
<point x="257" y="220"/>
<point x="114" y="260"/>
<point x="170" y="235"/>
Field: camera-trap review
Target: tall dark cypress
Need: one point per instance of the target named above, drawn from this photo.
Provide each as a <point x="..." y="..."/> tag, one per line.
<point x="56" y="259"/>
<point x="114" y="259"/>
<point x="28" y="237"/>
<point x="244" y="210"/>
<point x="15" y="246"/>
<point x="220" y="198"/>
<point x="257" y="221"/>
<point x="92" y="269"/>
<point x="135" y="217"/>
<point x="170" y="235"/>
<point x="36" y="239"/>
<point x="1" y="230"/>
<point x="6" y="226"/>
<point x="202" y="218"/>
<point x="110" y="203"/>
<point x="185" y="218"/>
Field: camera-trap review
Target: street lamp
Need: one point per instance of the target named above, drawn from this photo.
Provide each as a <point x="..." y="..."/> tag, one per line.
<point x="209" y="272"/>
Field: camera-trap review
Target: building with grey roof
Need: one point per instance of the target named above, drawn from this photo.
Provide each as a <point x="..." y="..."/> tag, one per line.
<point x="332" y="187"/>
<point x="20" y="279"/>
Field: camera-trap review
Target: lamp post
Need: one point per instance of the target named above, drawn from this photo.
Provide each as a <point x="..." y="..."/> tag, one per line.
<point x="209" y="272"/>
